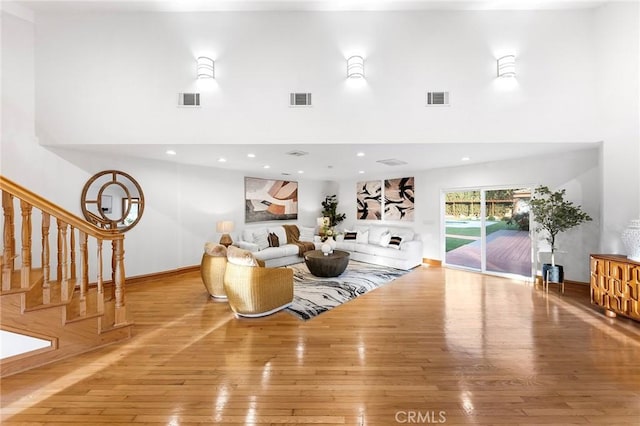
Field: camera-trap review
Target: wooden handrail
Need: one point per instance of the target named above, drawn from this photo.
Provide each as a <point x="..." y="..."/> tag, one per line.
<point x="69" y="227"/>
<point x="46" y="206"/>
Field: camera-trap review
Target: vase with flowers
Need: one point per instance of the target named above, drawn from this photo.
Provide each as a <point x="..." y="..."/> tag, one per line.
<point x="331" y="218"/>
<point x="327" y="233"/>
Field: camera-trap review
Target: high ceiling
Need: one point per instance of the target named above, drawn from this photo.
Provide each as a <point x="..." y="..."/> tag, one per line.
<point x="335" y="161"/>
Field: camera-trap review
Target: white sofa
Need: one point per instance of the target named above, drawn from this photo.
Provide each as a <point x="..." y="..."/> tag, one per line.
<point x="252" y="239"/>
<point x="367" y="248"/>
<point x="372" y="246"/>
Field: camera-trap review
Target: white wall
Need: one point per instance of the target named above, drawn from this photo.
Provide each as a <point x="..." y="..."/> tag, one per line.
<point x="617" y="44"/>
<point x="182" y="206"/>
<point x="113" y="78"/>
<point x="182" y="203"/>
<point x="578" y="172"/>
<point x="21" y="157"/>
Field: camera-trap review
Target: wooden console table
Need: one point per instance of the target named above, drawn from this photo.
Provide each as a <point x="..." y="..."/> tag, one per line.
<point x="615" y="285"/>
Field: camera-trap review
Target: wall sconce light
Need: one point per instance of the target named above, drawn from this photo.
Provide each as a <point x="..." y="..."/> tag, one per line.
<point x="507" y="66"/>
<point x="355" y="67"/>
<point x="224" y="227"/>
<point x="205" y="67"/>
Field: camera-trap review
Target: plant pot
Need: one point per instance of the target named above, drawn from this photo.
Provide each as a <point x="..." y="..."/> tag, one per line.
<point x="556" y="273"/>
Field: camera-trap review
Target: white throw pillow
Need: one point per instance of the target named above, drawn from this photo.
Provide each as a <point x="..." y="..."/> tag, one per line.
<point x="261" y="238"/>
<point x="241" y="257"/>
<point x="375" y="234"/>
<point x="306" y="233"/>
<point x="362" y="237"/>
<point x="384" y="240"/>
<point x="215" y="249"/>
<point x="359" y="228"/>
<point x="247" y="235"/>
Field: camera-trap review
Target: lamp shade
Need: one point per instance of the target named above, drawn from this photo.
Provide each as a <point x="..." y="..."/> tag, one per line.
<point x="355" y="67"/>
<point x="224" y="226"/>
<point x="205" y="67"/>
<point x="507" y="66"/>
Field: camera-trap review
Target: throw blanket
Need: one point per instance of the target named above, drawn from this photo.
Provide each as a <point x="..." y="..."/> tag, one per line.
<point x="293" y="237"/>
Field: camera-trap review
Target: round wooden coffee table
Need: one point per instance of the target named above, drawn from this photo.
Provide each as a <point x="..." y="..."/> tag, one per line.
<point x="330" y="265"/>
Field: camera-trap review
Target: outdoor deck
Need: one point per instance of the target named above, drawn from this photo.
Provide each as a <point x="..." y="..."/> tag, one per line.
<point x="507" y="251"/>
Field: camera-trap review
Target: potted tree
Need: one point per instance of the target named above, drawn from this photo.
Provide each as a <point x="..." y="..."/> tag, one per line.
<point x="331" y="217"/>
<point x="553" y="215"/>
<point x="329" y="209"/>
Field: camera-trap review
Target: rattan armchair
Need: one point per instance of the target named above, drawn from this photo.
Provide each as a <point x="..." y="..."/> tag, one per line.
<point x="212" y="269"/>
<point x="255" y="291"/>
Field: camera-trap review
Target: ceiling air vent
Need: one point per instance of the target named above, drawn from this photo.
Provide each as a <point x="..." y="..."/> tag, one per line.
<point x="297" y="153"/>
<point x="392" y="162"/>
<point x="189" y="99"/>
<point x="299" y="99"/>
<point x="437" y="98"/>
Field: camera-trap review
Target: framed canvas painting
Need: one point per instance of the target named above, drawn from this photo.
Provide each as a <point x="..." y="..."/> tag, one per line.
<point x="398" y="199"/>
<point x="267" y="200"/>
<point x="369" y="200"/>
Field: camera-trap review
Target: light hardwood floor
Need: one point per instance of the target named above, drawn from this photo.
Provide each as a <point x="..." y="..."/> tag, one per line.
<point x="436" y="344"/>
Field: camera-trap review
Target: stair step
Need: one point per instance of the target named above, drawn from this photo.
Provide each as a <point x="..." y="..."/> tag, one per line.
<point x="115" y="328"/>
<point x="44" y="306"/>
<point x="34" y="298"/>
<point x="82" y="318"/>
<point x="107" y="321"/>
<point x="34" y="301"/>
<point x="73" y="313"/>
<point x="35" y="277"/>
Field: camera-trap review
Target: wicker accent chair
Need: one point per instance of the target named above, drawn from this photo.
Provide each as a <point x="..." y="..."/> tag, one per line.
<point x="212" y="268"/>
<point x="256" y="291"/>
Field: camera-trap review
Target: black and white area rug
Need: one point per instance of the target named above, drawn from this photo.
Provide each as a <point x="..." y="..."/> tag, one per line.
<point x="314" y="295"/>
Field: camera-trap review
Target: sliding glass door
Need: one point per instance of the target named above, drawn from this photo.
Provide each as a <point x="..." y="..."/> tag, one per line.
<point x="488" y="230"/>
<point x="462" y="229"/>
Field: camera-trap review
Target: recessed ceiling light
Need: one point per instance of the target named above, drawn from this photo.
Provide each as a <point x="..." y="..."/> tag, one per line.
<point x="222" y="160"/>
<point x="170" y="152"/>
<point x="301" y="171"/>
<point x="465" y="159"/>
<point x="250" y="155"/>
<point x="266" y="166"/>
<point x="361" y="172"/>
<point x="360" y="154"/>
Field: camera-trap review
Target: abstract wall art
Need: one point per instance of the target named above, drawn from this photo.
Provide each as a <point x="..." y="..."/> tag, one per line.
<point x="369" y="200"/>
<point x="398" y="199"/>
<point x="267" y="199"/>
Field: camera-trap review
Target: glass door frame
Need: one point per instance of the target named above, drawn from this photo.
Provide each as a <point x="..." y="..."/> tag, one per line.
<point x="483" y="231"/>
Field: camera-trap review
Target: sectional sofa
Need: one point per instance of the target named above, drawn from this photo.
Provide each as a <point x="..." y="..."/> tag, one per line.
<point x="397" y="247"/>
<point x="256" y="240"/>
<point x="393" y="246"/>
